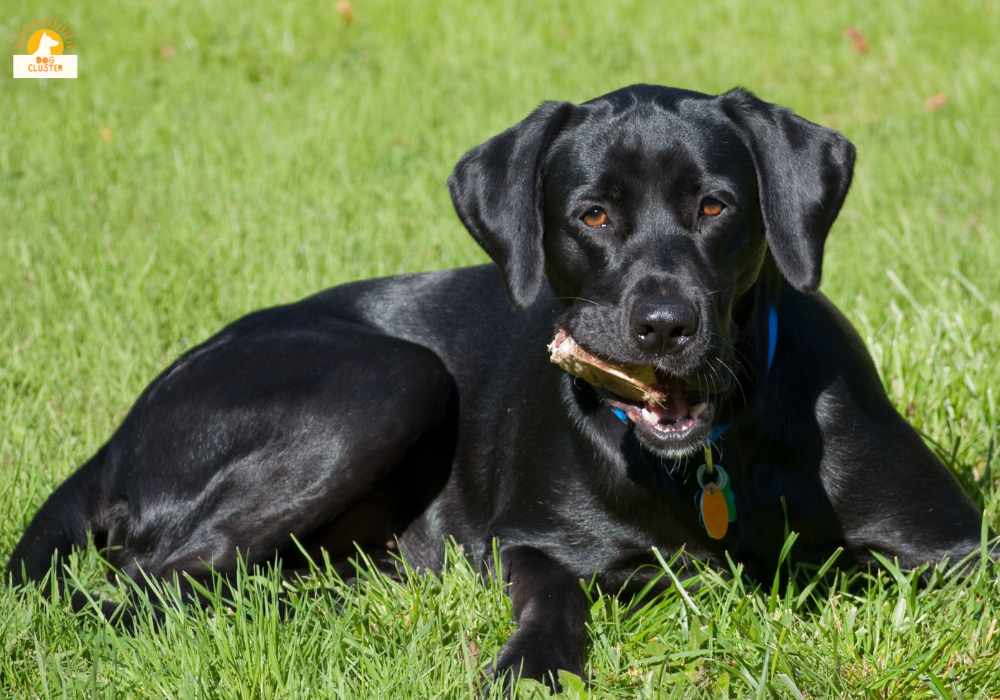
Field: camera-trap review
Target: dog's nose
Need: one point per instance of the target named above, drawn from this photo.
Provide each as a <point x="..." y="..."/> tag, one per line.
<point x="659" y="327"/>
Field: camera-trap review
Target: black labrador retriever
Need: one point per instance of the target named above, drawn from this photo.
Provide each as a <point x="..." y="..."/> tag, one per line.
<point x="674" y="240"/>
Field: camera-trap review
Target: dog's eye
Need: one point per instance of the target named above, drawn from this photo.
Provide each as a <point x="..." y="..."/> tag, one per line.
<point x="595" y="217"/>
<point x="711" y="207"/>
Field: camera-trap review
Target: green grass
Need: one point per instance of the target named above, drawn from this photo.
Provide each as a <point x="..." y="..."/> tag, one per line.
<point x="261" y="151"/>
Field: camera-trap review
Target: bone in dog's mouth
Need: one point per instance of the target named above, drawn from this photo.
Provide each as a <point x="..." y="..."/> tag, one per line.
<point x="668" y="407"/>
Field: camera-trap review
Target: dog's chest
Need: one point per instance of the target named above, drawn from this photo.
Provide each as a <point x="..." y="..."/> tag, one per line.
<point x="668" y="517"/>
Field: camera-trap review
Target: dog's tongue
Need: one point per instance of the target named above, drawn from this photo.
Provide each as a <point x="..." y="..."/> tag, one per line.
<point x="673" y="406"/>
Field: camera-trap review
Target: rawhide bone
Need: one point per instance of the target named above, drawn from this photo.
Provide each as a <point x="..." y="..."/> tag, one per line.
<point x="635" y="383"/>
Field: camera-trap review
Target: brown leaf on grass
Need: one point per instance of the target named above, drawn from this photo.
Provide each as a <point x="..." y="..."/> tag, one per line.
<point x="167" y="52"/>
<point x="935" y="102"/>
<point x="345" y="10"/>
<point x="472" y="648"/>
<point x="858" y="41"/>
<point x="979" y="470"/>
<point x="105" y="134"/>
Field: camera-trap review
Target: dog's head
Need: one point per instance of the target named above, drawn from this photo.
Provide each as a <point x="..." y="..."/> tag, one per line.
<point x="651" y="212"/>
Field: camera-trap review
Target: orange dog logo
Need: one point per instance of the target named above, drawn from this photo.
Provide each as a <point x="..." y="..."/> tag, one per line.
<point x="46" y="55"/>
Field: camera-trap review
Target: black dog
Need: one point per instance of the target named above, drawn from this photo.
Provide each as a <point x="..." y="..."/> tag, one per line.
<point x="672" y="235"/>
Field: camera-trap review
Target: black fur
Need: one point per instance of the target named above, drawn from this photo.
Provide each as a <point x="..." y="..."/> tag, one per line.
<point x="424" y="406"/>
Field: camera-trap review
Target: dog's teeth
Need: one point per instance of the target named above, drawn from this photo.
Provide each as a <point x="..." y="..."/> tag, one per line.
<point x="698" y="409"/>
<point x="650" y="417"/>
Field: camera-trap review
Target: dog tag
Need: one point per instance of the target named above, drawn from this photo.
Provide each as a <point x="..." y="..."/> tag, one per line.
<point x="714" y="501"/>
<point x="714" y="511"/>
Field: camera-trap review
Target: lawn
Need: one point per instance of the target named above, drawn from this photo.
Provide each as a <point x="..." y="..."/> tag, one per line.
<point x="216" y="157"/>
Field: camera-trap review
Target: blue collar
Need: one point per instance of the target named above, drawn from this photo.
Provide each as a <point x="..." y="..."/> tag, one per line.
<point x="772" y="344"/>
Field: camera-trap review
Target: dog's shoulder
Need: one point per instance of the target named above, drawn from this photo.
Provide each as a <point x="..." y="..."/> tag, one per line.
<point x="823" y="364"/>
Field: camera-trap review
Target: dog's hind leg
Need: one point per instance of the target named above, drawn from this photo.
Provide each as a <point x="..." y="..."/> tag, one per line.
<point x="278" y="427"/>
<point x="318" y="426"/>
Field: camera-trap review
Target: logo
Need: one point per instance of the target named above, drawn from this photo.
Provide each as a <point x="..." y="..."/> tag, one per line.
<point x="46" y="43"/>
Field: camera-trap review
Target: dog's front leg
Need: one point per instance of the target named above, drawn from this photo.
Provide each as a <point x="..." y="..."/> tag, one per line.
<point x="550" y="609"/>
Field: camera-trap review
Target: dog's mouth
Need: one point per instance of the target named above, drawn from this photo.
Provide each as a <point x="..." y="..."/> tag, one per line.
<point x="671" y="414"/>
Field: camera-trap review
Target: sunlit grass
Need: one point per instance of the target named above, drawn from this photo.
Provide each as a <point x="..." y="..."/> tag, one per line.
<point x="218" y="157"/>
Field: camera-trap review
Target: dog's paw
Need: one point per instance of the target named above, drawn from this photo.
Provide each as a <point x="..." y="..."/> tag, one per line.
<point x="536" y="657"/>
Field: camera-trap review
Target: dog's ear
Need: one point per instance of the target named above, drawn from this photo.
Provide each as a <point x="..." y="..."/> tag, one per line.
<point x="803" y="173"/>
<point x="496" y="188"/>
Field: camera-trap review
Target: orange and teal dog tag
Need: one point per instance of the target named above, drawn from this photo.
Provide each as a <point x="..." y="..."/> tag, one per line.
<point x="716" y="501"/>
